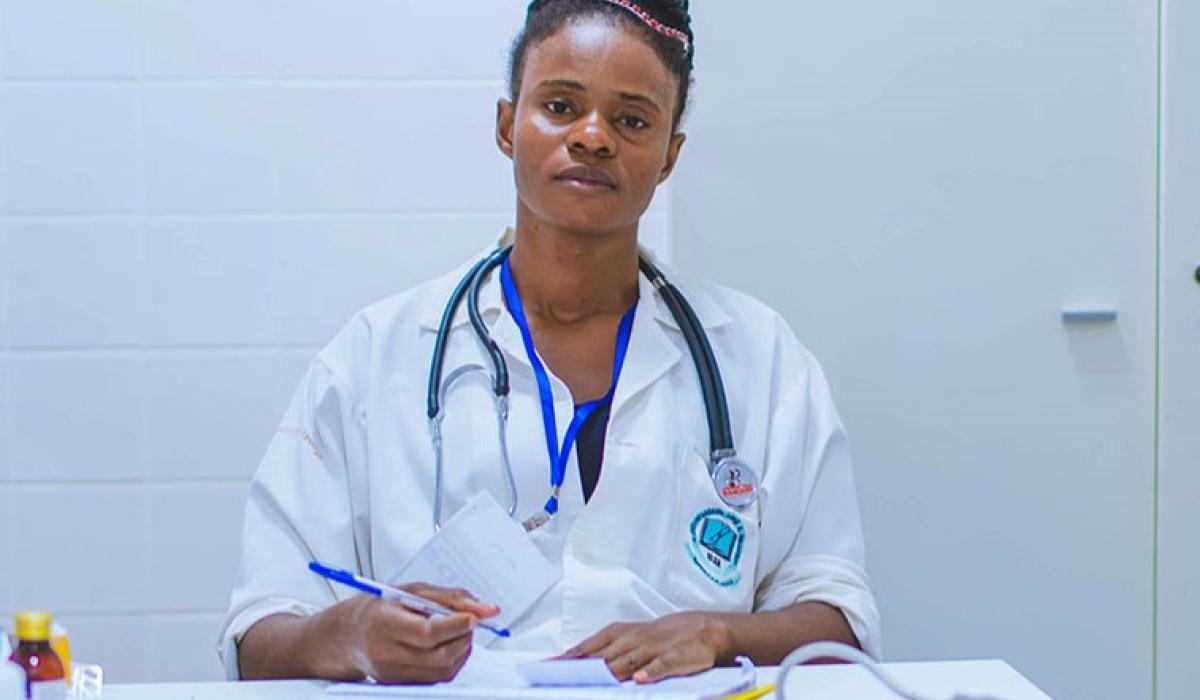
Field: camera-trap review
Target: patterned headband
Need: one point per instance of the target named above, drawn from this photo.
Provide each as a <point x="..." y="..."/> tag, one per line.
<point x="654" y="24"/>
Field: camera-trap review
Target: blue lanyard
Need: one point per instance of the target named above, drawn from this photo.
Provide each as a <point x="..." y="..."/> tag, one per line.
<point x="560" y="455"/>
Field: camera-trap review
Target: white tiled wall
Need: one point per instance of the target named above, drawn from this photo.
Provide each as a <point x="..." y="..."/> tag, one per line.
<point x="193" y="197"/>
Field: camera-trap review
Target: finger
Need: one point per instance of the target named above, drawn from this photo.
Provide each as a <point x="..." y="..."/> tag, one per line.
<point x="633" y="639"/>
<point x="451" y="627"/>
<point x="446" y="658"/>
<point x="593" y="644"/>
<point x="407" y="664"/>
<point x="668" y="665"/>
<point x="628" y="652"/>
<point x="454" y="598"/>
<point x="425" y="632"/>
<point x="626" y="664"/>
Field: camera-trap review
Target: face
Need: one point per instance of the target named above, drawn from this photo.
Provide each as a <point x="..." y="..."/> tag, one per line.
<point x="591" y="133"/>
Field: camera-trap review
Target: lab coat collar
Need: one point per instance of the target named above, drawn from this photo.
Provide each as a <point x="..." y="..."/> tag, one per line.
<point x="650" y="355"/>
<point x="491" y="300"/>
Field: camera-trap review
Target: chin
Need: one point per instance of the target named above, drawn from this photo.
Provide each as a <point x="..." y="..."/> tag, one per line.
<point x="589" y="227"/>
<point x="584" y="220"/>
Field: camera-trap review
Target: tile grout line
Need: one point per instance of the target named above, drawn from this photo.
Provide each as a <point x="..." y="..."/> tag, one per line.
<point x="253" y="215"/>
<point x="233" y="80"/>
<point x="150" y="348"/>
<point x="1158" y="281"/>
<point x="144" y="484"/>
<point x="140" y="613"/>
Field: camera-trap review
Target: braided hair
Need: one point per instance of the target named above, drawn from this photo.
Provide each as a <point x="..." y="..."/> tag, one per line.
<point x="665" y="25"/>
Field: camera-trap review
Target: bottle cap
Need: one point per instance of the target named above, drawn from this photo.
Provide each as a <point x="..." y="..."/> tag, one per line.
<point x="32" y="626"/>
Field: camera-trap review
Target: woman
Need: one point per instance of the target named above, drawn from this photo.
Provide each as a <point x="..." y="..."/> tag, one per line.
<point x="598" y="88"/>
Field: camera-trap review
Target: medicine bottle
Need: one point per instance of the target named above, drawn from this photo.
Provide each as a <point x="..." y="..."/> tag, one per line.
<point x="44" y="676"/>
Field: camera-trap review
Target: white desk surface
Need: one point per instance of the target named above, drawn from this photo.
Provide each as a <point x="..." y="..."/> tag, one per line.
<point x="941" y="679"/>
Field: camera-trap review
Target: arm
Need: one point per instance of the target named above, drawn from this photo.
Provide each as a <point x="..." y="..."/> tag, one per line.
<point x="810" y="586"/>
<point x="690" y="642"/>
<point x="767" y="637"/>
<point x="291" y="646"/>
<point x="308" y="502"/>
<point x="364" y="636"/>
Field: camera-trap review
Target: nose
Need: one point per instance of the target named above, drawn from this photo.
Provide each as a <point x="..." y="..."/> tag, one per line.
<point x="591" y="136"/>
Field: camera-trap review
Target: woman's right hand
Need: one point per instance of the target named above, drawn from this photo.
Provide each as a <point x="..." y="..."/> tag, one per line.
<point x="392" y="644"/>
<point x="366" y="636"/>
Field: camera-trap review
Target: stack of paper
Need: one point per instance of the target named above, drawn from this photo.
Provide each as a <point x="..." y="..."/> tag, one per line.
<point x="492" y="675"/>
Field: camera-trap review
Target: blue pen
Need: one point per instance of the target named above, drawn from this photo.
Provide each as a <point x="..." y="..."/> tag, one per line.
<point x="408" y="600"/>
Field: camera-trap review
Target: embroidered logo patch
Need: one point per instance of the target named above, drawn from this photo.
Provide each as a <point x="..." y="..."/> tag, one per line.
<point x="715" y="545"/>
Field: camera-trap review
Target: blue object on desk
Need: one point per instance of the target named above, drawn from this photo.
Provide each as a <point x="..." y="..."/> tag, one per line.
<point x="408" y="600"/>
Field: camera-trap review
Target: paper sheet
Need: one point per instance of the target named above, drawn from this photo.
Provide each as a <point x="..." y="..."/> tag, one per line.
<point x="491" y="675"/>
<point x="495" y="669"/>
<point x="567" y="673"/>
<point x="486" y="552"/>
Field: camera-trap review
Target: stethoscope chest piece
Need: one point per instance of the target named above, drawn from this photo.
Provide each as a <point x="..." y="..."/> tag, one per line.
<point x="736" y="482"/>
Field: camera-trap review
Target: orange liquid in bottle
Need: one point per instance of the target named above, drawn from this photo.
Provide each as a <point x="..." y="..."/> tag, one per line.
<point x="44" y="673"/>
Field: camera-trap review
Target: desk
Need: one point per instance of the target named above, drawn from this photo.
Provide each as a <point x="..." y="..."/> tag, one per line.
<point x="941" y="679"/>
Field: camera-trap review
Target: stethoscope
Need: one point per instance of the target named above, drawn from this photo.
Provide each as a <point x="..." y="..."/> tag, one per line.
<point x="736" y="483"/>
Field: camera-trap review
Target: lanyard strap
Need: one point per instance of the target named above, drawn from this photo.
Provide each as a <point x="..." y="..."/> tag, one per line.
<point x="559" y="456"/>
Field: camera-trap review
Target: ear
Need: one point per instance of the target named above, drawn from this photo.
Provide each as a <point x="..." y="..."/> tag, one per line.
<point x="673" y="149"/>
<point x="506" y="114"/>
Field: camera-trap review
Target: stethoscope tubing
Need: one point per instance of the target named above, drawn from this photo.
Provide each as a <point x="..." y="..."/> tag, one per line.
<point x="712" y="387"/>
<point x="716" y="405"/>
<point x="434" y="395"/>
<point x="500" y="385"/>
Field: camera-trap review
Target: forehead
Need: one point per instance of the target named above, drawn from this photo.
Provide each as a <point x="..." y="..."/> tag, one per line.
<point x="602" y="54"/>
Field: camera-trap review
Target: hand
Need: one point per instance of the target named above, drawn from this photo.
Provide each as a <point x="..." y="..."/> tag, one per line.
<point x="392" y="644"/>
<point x="453" y="598"/>
<point x="675" y="645"/>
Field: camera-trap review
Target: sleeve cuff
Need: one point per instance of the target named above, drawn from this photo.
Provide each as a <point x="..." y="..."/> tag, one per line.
<point x="245" y="617"/>
<point x="830" y="580"/>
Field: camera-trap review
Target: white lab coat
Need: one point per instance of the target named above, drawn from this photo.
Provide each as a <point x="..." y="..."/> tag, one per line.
<point x="348" y="477"/>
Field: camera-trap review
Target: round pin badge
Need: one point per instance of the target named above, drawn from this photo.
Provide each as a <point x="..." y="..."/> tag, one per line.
<point x="736" y="482"/>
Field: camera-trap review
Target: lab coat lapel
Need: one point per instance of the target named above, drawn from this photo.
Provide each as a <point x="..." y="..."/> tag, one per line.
<point x="499" y="322"/>
<point x="508" y="336"/>
<point x="651" y="353"/>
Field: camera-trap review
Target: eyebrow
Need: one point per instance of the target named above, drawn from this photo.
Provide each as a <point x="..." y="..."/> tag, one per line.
<point x="577" y="86"/>
<point x="640" y="99"/>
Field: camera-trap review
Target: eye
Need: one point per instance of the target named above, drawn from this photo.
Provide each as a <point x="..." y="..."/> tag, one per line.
<point x="558" y="107"/>
<point x="634" y="122"/>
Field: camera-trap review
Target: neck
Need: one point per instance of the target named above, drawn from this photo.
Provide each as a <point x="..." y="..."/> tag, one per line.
<point x="566" y="276"/>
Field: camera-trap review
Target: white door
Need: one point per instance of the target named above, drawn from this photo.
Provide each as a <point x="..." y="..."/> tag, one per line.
<point x="1179" y="377"/>
<point x="923" y="188"/>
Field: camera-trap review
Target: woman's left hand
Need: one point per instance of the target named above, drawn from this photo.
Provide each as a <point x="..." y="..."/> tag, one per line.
<point x="675" y="645"/>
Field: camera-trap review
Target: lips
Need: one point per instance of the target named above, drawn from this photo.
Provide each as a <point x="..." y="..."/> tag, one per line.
<point x="584" y="176"/>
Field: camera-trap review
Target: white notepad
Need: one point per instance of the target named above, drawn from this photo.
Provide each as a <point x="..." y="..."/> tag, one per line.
<point x="491" y="675"/>
<point x="486" y="552"/>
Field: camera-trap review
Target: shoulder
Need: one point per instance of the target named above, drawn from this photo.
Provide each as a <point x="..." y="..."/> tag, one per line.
<point x="727" y="311"/>
<point x="754" y="342"/>
<point x="389" y="327"/>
